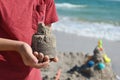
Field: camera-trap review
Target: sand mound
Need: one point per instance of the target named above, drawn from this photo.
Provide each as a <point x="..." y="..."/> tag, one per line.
<point x="72" y="68"/>
<point x="80" y="66"/>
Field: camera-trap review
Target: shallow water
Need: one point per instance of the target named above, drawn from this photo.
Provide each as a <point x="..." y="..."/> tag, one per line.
<point x="91" y="18"/>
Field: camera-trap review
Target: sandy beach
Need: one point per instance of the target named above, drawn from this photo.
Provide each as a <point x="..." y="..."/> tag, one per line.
<point x="72" y="43"/>
<point x="67" y="43"/>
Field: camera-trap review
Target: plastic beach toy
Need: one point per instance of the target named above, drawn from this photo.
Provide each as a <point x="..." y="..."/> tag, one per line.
<point x="101" y="65"/>
<point x="100" y="43"/>
<point x="90" y="63"/>
<point x="106" y="58"/>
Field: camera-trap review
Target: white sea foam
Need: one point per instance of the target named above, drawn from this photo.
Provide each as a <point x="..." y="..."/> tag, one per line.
<point x="118" y="77"/>
<point x="88" y="29"/>
<point x="69" y="5"/>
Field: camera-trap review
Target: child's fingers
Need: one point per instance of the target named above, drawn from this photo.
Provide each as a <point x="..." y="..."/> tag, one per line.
<point x="55" y="59"/>
<point x="36" y="54"/>
<point x="40" y="57"/>
<point x="42" y="65"/>
<point x="46" y="58"/>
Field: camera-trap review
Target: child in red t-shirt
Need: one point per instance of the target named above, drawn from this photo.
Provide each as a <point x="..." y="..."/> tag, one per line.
<point x="18" y="22"/>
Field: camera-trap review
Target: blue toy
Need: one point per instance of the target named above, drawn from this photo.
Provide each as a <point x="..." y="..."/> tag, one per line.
<point x="90" y="63"/>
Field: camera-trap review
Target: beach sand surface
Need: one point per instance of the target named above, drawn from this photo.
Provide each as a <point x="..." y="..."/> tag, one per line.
<point x="76" y="46"/>
<point x="73" y="43"/>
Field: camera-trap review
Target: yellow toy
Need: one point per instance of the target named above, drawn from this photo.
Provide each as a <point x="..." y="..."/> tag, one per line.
<point x="100" y="43"/>
<point x="106" y="58"/>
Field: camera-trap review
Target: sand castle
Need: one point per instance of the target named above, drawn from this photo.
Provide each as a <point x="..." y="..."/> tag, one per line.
<point x="80" y="66"/>
<point x="44" y="41"/>
<point x="98" y="65"/>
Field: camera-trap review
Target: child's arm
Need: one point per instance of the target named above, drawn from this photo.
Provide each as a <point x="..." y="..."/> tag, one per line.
<point x="24" y="50"/>
<point x="9" y="45"/>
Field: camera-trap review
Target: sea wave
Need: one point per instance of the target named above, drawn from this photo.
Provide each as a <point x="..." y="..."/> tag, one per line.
<point x="88" y="29"/>
<point x="69" y="5"/>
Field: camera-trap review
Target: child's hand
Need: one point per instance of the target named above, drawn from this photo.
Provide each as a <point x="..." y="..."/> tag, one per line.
<point x="25" y="51"/>
<point x="41" y="57"/>
<point x="30" y="59"/>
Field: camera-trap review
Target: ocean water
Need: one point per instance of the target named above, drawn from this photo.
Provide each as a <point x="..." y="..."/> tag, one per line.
<point x="90" y="18"/>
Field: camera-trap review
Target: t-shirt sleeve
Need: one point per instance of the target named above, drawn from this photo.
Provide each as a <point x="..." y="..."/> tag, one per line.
<point x="50" y="13"/>
<point x="47" y="11"/>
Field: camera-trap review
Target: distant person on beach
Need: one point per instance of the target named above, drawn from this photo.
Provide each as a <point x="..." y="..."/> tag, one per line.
<point x="18" y="22"/>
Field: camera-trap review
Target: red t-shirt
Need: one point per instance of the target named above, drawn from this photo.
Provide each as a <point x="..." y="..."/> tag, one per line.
<point x="18" y="21"/>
